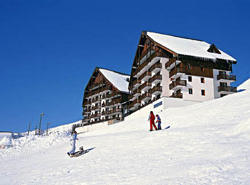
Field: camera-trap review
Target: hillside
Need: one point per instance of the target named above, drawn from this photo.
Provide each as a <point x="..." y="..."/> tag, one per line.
<point x="207" y="143"/>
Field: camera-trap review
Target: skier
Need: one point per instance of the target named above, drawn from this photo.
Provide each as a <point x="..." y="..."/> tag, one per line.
<point x="73" y="142"/>
<point x="158" y="121"/>
<point x="152" y="121"/>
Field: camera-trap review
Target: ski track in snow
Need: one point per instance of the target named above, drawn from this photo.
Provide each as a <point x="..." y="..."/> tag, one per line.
<point x="207" y="143"/>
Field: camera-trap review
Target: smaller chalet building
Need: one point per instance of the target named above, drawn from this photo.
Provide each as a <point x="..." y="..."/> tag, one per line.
<point x="175" y="67"/>
<point x="105" y="96"/>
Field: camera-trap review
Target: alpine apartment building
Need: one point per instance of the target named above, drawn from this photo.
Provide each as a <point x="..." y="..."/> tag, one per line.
<point x="175" y="67"/>
<point x="105" y="96"/>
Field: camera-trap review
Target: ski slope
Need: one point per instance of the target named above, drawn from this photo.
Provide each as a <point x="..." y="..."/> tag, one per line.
<point x="207" y="143"/>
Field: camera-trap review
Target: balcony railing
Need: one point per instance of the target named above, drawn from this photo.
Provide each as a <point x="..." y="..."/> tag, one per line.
<point x="155" y="66"/>
<point x="95" y="115"/>
<point x="170" y="62"/>
<point x="155" y="89"/>
<point x="177" y="83"/>
<point x="176" y="95"/>
<point x="116" y="100"/>
<point x="144" y="85"/>
<point x="227" y="89"/>
<point x="136" y="92"/>
<point x="226" y="77"/>
<point x="136" y="82"/>
<point x="147" y="73"/>
<point x="145" y="95"/>
<point x="95" y="107"/>
<point x="178" y="70"/>
<point x="140" y="67"/>
<point x="137" y="101"/>
<point x="155" y="77"/>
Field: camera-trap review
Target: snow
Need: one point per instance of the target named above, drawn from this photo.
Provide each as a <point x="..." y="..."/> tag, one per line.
<point x="5" y="134"/>
<point x="188" y="47"/>
<point x="207" y="143"/>
<point x="118" y="80"/>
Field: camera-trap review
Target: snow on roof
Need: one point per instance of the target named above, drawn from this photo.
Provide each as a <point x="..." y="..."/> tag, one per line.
<point x="188" y="47"/>
<point x="117" y="79"/>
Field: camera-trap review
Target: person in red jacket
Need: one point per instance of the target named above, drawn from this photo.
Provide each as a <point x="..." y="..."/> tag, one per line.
<point x="152" y="121"/>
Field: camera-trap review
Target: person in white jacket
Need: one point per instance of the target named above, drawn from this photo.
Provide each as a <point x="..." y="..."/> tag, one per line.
<point x="73" y="142"/>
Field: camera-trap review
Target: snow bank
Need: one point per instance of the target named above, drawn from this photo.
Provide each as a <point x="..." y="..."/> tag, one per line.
<point x="32" y="142"/>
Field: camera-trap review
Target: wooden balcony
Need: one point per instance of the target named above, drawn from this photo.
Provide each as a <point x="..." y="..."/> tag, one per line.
<point x="177" y="83"/>
<point x="108" y="103"/>
<point x="155" y="90"/>
<point x="145" y="96"/>
<point x="140" y="67"/>
<point x="136" y="92"/>
<point x="134" y="103"/>
<point x="170" y="62"/>
<point x="145" y="86"/>
<point x="227" y="89"/>
<point x="135" y="82"/>
<point x="95" y="107"/>
<point x="178" y="70"/>
<point x="116" y="100"/>
<point x="95" y="115"/>
<point x="226" y="77"/>
<point x="115" y="111"/>
<point x="155" y="68"/>
<point x="177" y="95"/>
<point x="145" y="75"/>
<point x="157" y="77"/>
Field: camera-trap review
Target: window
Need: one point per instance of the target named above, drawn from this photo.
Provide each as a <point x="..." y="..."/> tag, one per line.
<point x="223" y="84"/>
<point x="190" y="78"/>
<point x="202" y="69"/>
<point x="190" y="91"/>
<point x="189" y="66"/>
<point x="203" y="92"/>
<point x="202" y="80"/>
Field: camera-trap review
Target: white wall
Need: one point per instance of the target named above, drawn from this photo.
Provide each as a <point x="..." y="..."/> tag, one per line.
<point x="165" y="78"/>
<point x="197" y="86"/>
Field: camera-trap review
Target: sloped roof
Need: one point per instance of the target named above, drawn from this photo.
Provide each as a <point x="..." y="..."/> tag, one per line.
<point x="189" y="47"/>
<point x="119" y="80"/>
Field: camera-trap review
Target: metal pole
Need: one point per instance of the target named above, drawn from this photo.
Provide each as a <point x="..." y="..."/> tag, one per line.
<point x="29" y="129"/>
<point x="47" y="131"/>
<point x="40" y="123"/>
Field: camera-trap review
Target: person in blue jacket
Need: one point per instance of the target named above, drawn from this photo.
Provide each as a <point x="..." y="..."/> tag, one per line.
<point x="158" y="120"/>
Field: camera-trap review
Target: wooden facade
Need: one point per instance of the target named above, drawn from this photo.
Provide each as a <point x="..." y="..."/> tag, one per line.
<point x="102" y="100"/>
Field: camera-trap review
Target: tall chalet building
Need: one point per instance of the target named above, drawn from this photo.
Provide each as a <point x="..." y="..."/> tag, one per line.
<point x="170" y="66"/>
<point x="105" y="96"/>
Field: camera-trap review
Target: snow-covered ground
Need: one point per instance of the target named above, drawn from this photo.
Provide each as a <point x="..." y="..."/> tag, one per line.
<point x="207" y="143"/>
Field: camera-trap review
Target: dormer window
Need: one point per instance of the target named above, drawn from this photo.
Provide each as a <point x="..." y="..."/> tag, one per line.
<point x="213" y="49"/>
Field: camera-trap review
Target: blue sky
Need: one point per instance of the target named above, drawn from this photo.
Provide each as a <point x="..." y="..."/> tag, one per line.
<point x="49" y="48"/>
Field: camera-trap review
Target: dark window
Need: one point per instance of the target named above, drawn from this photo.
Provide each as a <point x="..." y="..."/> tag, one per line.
<point x="190" y="78"/>
<point x="202" y="80"/>
<point x="202" y="69"/>
<point x="189" y="66"/>
<point x="222" y="95"/>
<point x="203" y="92"/>
<point x="223" y="84"/>
<point x="190" y="91"/>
